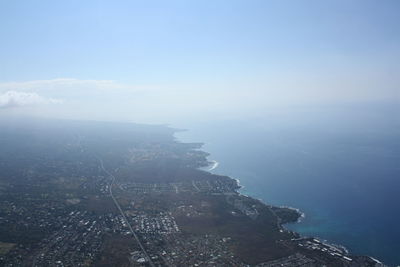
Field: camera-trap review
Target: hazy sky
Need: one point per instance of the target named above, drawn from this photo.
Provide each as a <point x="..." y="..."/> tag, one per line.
<point x="156" y="61"/>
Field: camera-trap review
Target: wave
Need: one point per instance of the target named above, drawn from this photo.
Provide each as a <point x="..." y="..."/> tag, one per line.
<point x="302" y="214"/>
<point x="213" y="165"/>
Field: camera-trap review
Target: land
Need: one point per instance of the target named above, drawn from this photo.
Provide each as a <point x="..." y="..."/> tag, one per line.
<point x="111" y="194"/>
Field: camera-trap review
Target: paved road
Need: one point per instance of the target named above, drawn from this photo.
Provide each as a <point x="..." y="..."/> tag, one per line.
<point x="123" y="214"/>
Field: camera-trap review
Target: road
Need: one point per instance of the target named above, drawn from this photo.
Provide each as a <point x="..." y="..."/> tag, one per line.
<point x="123" y="214"/>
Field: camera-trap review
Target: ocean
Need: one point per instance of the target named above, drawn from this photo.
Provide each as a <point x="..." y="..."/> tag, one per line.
<point x="342" y="171"/>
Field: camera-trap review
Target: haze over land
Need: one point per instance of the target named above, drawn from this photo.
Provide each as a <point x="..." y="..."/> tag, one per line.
<point x="298" y="99"/>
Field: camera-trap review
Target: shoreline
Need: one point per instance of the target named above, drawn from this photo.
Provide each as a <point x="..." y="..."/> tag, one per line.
<point x="301" y="215"/>
<point x="214" y="166"/>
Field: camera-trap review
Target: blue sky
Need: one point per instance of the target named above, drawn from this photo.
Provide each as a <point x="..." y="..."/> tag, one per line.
<point x="166" y="55"/>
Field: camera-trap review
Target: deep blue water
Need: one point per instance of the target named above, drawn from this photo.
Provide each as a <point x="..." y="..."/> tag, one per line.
<point x="342" y="172"/>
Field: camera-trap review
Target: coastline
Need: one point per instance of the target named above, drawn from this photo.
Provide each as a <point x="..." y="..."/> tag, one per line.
<point x="214" y="166"/>
<point x="301" y="215"/>
<point x="211" y="165"/>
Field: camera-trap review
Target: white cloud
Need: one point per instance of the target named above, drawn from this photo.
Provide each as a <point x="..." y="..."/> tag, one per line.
<point x="160" y="103"/>
<point x="66" y="85"/>
<point x="17" y="99"/>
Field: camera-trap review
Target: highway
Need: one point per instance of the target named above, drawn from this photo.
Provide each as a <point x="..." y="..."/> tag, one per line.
<point x="123" y="214"/>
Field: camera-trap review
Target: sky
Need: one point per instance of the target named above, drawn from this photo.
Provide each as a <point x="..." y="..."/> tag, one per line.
<point x="163" y="61"/>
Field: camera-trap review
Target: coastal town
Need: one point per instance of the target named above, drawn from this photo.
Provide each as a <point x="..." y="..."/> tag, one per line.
<point x="134" y="199"/>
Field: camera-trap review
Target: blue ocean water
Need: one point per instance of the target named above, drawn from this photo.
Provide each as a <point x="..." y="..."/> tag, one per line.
<point x="342" y="172"/>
